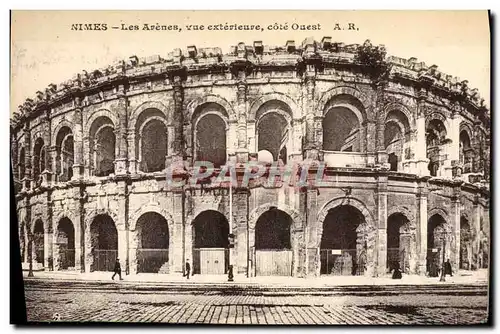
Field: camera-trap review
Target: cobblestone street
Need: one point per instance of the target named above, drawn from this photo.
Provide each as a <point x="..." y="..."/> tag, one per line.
<point x="212" y="307"/>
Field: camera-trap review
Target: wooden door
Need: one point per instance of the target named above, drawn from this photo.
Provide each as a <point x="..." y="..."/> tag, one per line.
<point x="212" y="261"/>
<point x="273" y="262"/>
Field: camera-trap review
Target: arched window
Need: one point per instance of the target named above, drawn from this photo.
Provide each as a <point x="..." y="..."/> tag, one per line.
<point x="38" y="160"/>
<point x="151" y="140"/>
<point x="396" y="136"/>
<point x="65" y="154"/>
<point x="343" y="124"/>
<point x="435" y="137"/>
<point x="436" y="133"/>
<point x="102" y="146"/>
<point x="466" y="153"/>
<point x="273" y="129"/>
<point x="21" y="165"/>
<point x="210" y="134"/>
<point x="341" y="130"/>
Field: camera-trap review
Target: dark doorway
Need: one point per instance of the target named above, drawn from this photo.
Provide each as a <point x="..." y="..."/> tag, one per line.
<point x="342" y="251"/>
<point x="273" y="247"/>
<point x="152" y="250"/>
<point x="104" y="243"/>
<point x="65" y="244"/>
<point x="211" y="243"/>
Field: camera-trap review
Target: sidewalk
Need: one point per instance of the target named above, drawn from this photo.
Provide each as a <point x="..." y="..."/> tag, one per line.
<point x="479" y="277"/>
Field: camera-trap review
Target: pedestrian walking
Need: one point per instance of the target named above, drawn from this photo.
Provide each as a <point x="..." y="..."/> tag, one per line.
<point x="117" y="270"/>
<point x="188" y="270"/>
<point x="447" y="268"/>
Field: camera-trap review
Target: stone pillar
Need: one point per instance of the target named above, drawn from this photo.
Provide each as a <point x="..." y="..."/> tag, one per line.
<point x="134" y="243"/>
<point x="78" y="163"/>
<point x="240" y="212"/>
<point x="131" y="146"/>
<point x="242" y="150"/>
<point x="178" y="120"/>
<point x="232" y="139"/>
<point x="454" y="146"/>
<point x="476" y="221"/>
<point x="381" y="248"/>
<point x="87" y="170"/>
<point x="170" y="145"/>
<point x="379" y="147"/>
<point x="311" y="149"/>
<point x="48" y="243"/>
<point x="296" y="136"/>
<point x="80" y="261"/>
<point x="252" y="141"/>
<point x="52" y="152"/>
<point x="121" y="138"/>
<point x="422" y="227"/>
<point x="78" y="241"/>
<point x="421" y="161"/>
<point x="122" y="246"/>
<point x="176" y="249"/>
<point x="47" y="171"/>
<point x="476" y="145"/>
<point x="455" y="238"/>
<point x="307" y="202"/>
<point x="27" y="157"/>
<point x="375" y="137"/>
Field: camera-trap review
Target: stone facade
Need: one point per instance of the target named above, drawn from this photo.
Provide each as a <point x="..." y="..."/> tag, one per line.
<point x="406" y="120"/>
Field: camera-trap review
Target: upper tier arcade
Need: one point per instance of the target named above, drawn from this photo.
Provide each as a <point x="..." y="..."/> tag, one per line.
<point x="350" y="106"/>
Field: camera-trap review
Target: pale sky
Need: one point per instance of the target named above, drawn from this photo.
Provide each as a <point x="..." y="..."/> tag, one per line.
<point x="45" y="50"/>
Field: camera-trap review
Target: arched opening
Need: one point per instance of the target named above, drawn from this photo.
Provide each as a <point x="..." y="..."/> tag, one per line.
<point x="209" y="135"/>
<point x="38" y="161"/>
<point x="211" y="139"/>
<point x="465" y="244"/>
<point x="272" y="130"/>
<point x="341" y="131"/>
<point x="273" y="244"/>
<point x="393" y="141"/>
<point x="396" y="138"/>
<point x="272" y="135"/>
<point x="38" y="243"/>
<point x="21" y="164"/>
<point x="64" y="246"/>
<point x="437" y="239"/>
<point x="398" y="242"/>
<point x="153" y="243"/>
<point x="466" y="153"/>
<point x="64" y="154"/>
<point x="211" y="243"/>
<point x="103" y="243"/>
<point x="436" y="138"/>
<point x="102" y="147"/>
<point x="343" y="244"/>
<point x="151" y="140"/>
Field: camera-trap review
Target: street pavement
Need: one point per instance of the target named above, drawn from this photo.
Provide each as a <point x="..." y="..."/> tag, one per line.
<point x="119" y="301"/>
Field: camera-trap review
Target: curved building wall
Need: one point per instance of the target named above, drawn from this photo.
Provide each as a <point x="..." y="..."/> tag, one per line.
<point x="410" y="148"/>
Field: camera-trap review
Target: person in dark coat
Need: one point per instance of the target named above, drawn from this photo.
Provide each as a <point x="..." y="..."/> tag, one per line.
<point x="397" y="274"/>
<point x="447" y="268"/>
<point x="117" y="270"/>
<point x="188" y="270"/>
